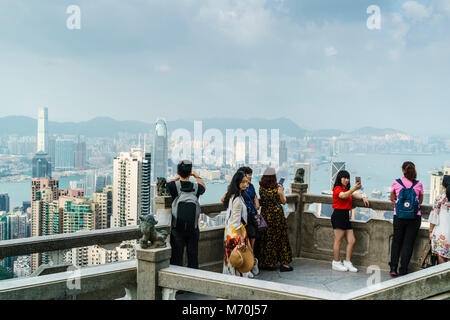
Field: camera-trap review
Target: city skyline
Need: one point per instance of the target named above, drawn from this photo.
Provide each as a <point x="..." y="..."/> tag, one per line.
<point x="315" y="63"/>
<point x="189" y="122"/>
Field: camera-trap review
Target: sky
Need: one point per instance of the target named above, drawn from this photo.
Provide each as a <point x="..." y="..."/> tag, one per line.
<point x="314" y="62"/>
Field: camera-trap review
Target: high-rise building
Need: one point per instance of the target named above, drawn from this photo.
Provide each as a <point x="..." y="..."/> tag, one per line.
<point x="22" y="267"/>
<point x="64" y="154"/>
<point x="57" y="211"/>
<point x="283" y="152"/>
<point x="26" y="205"/>
<point x="80" y="155"/>
<point x="4" y="202"/>
<point x="131" y="189"/>
<point x="16" y="226"/>
<point x="78" y="214"/>
<point x="44" y="219"/>
<point x="3" y="228"/>
<point x="51" y="150"/>
<point x="160" y="151"/>
<point x="102" y="181"/>
<point x="42" y="141"/>
<point x="103" y="200"/>
<point x="90" y="183"/>
<point x="41" y="166"/>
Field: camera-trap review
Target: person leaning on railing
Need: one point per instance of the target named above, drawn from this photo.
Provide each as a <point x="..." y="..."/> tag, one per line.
<point x="440" y="224"/>
<point x="343" y="196"/>
<point x="405" y="229"/>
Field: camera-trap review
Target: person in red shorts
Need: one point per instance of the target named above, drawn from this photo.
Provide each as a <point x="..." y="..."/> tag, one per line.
<point x="343" y="196"/>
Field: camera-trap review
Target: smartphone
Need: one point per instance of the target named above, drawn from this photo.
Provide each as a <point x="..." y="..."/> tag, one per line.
<point x="281" y="181"/>
<point x="357" y="180"/>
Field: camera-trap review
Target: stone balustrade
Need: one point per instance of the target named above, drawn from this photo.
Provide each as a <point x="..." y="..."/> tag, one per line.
<point x="151" y="276"/>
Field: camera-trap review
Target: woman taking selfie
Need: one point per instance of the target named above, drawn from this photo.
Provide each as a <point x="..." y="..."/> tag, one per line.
<point x="343" y="196"/>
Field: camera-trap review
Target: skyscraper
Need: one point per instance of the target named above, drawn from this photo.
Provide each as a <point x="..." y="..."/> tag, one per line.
<point x="131" y="197"/>
<point x="41" y="166"/>
<point x="4" y="202"/>
<point x="80" y="154"/>
<point x="64" y="154"/>
<point x="103" y="200"/>
<point x="45" y="218"/>
<point x="16" y="226"/>
<point x="51" y="150"/>
<point x="283" y="152"/>
<point x="42" y="141"/>
<point x="160" y="151"/>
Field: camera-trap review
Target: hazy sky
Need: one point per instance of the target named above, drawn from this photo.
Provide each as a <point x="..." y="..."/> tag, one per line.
<point x="315" y="62"/>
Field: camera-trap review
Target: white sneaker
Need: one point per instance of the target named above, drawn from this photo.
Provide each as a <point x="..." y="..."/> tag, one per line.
<point x="350" y="266"/>
<point x="248" y="275"/>
<point x="338" y="266"/>
<point x="255" y="269"/>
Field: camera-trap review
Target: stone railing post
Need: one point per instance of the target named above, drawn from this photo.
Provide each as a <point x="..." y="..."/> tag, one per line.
<point x="149" y="262"/>
<point x="299" y="189"/>
<point x="163" y="207"/>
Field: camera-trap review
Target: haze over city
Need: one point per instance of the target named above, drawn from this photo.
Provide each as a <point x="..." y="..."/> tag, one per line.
<point x="261" y="137"/>
<point x="315" y="63"/>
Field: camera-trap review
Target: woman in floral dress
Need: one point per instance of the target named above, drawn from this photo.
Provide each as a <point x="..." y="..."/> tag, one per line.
<point x="236" y="219"/>
<point x="440" y="224"/>
<point x="273" y="247"/>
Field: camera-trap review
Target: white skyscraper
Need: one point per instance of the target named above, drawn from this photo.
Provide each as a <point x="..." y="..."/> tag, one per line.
<point x="131" y="191"/>
<point x="42" y="139"/>
<point x="160" y="151"/>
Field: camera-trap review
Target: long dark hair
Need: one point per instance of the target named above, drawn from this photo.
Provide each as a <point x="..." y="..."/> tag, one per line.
<point x="268" y="181"/>
<point x="342" y="174"/>
<point x="410" y="171"/>
<point x="234" y="187"/>
<point x="446" y="184"/>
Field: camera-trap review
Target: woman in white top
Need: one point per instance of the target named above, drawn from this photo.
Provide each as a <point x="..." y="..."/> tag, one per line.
<point x="440" y="224"/>
<point x="236" y="219"/>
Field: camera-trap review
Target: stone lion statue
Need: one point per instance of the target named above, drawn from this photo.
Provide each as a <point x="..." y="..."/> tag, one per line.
<point x="300" y="176"/>
<point x="157" y="238"/>
<point x="161" y="187"/>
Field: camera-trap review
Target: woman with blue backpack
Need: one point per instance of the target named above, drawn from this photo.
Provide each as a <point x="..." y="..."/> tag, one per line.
<point x="407" y="194"/>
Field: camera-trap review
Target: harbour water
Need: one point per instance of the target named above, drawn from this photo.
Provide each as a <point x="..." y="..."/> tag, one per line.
<point x="377" y="171"/>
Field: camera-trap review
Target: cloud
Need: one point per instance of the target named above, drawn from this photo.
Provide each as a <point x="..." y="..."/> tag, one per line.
<point x="330" y="51"/>
<point x="416" y="11"/>
<point x="245" y="22"/>
<point x="164" y="68"/>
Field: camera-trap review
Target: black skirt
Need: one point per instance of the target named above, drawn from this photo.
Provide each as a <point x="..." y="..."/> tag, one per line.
<point x="340" y="219"/>
<point x="252" y="227"/>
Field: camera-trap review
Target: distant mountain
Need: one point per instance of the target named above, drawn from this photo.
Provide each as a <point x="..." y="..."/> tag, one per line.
<point x="108" y="127"/>
<point x="286" y="126"/>
<point x="369" y="131"/>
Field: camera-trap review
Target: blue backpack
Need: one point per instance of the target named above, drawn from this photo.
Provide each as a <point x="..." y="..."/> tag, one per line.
<point x="407" y="205"/>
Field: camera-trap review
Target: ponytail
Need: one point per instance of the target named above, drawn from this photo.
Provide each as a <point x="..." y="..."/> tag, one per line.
<point x="410" y="171"/>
